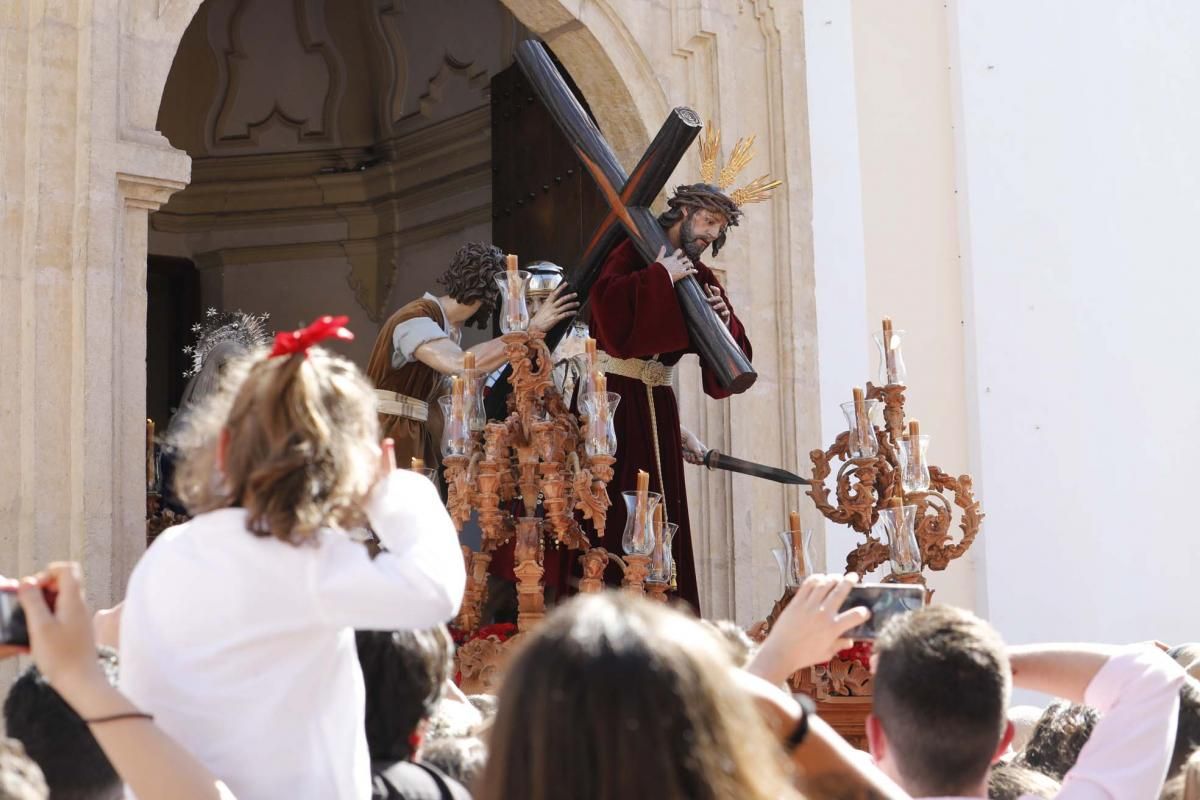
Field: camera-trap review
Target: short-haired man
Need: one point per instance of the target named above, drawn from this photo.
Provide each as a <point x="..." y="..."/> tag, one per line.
<point x="942" y="684"/>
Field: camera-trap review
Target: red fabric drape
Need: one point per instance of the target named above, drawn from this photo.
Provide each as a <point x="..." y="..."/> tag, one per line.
<point x="635" y="314"/>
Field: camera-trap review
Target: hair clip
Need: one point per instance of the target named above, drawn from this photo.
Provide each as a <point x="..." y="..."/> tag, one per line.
<point x="290" y="344"/>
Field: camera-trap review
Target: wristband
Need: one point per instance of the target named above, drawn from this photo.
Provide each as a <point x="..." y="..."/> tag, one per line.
<point x="798" y="734"/>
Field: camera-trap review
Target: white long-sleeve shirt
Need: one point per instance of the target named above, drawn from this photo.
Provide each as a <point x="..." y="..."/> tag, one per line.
<point x="243" y="647"/>
<point x="1127" y="755"/>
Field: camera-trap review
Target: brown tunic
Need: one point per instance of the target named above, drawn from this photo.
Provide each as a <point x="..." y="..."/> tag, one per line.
<point x="415" y="380"/>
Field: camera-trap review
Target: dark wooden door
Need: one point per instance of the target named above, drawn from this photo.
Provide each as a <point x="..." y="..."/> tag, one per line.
<point x="544" y="205"/>
<point x="172" y="307"/>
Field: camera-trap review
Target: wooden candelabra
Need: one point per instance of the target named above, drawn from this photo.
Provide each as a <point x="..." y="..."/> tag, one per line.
<point x="870" y="482"/>
<point x="534" y="459"/>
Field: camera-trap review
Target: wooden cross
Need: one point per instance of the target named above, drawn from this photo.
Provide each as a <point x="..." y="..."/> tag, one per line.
<point x="629" y="198"/>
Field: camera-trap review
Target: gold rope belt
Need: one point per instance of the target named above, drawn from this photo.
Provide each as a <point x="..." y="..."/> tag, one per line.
<point x="399" y="405"/>
<point x="651" y="373"/>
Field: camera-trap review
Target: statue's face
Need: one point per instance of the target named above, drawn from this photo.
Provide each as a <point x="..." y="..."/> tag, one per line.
<point x="699" y="228"/>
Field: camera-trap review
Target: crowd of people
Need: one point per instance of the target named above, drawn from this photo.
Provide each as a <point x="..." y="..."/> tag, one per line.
<point x="262" y="652"/>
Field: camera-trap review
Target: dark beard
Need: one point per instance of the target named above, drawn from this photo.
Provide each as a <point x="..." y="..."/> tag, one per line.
<point x="693" y="247"/>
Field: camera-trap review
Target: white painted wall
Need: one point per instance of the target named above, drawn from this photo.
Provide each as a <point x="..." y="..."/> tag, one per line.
<point x="838" y="260"/>
<point x="1079" y="178"/>
<point x="906" y="149"/>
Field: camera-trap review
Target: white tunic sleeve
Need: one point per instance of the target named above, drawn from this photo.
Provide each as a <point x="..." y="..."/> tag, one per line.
<point x="417" y="583"/>
<point x="411" y="334"/>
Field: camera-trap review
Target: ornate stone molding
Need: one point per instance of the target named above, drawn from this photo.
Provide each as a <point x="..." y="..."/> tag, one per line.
<point x="242" y="113"/>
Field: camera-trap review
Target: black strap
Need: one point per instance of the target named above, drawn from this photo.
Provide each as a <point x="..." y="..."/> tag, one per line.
<point x="798" y="734"/>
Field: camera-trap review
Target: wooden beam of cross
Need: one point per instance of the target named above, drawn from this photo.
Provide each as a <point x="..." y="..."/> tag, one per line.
<point x="649" y="176"/>
<point x="628" y="198"/>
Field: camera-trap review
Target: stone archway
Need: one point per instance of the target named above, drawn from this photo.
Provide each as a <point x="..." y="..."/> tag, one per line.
<point x="613" y="74"/>
<point x="81" y="167"/>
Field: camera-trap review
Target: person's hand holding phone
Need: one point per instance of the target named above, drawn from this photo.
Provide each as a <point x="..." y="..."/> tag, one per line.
<point x="811" y="630"/>
<point x="9" y="649"/>
<point x="60" y="639"/>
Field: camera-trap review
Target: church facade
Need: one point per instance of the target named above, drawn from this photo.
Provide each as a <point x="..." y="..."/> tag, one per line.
<point x="1012" y="183"/>
<point x="304" y="157"/>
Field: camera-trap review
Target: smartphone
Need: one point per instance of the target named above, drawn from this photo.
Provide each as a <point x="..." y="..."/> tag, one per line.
<point x="885" y="600"/>
<point x="12" y="619"/>
<point x="12" y="616"/>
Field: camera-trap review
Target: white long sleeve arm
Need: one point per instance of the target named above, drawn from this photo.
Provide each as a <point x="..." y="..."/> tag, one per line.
<point x="417" y="583"/>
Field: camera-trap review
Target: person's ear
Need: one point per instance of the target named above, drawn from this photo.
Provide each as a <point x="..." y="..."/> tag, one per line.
<point x="876" y="738"/>
<point x="1005" y="740"/>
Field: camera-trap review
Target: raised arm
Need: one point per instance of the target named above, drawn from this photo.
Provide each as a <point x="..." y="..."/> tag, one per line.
<point x="827" y="764"/>
<point x="447" y="358"/>
<point x="1136" y="691"/>
<point x="417" y="582"/>
<point x="150" y="762"/>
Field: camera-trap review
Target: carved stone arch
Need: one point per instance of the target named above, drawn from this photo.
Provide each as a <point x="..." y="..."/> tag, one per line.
<point x="606" y="63"/>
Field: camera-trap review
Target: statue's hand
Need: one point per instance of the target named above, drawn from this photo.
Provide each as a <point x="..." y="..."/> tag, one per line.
<point x="560" y="305"/>
<point x="678" y="265"/>
<point x="694" y="450"/>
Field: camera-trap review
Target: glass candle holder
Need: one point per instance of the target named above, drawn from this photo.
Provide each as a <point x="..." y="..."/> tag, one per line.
<point x="587" y="379"/>
<point x="898" y="525"/>
<point x="601" y="437"/>
<point x="914" y="464"/>
<point x="430" y="473"/>
<point x="863" y="442"/>
<point x="797" y="557"/>
<point x="891" y="360"/>
<point x="456" y="431"/>
<point x="638" y="538"/>
<point x="473" y="384"/>
<point x="662" y="563"/>
<point x="514" y="308"/>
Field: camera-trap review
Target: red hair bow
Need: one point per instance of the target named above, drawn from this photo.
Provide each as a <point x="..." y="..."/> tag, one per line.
<point x="289" y="344"/>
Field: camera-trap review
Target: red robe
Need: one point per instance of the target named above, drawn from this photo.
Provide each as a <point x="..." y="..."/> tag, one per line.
<point x="635" y="314"/>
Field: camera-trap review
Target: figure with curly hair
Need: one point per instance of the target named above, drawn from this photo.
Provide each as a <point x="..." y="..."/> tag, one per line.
<point x="419" y="345"/>
<point x="640" y="329"/>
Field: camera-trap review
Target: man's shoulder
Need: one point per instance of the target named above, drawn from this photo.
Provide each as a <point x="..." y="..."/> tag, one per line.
<point x="421" y="307"/>
<point x="625" y="252"/>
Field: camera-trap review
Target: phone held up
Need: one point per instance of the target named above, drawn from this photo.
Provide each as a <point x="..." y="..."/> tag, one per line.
<point x="884" y="600"/>
<point x="13" y="630"/>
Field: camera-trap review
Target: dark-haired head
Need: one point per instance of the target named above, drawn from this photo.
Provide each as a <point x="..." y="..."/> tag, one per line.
<point x="687" y="202"/>
<point x="1057" y="738"/>
<point x="942" y="683"/>
<point x="404" y="673"/>
<point x="615" y="697"/>
<point x="471" y="278"/>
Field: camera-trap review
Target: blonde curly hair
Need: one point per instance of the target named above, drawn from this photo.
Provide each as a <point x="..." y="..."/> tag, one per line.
<point x="294" y="440"/>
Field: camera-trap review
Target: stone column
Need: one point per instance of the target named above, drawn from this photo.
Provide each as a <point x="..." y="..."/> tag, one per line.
<point x="78" y="179"/>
